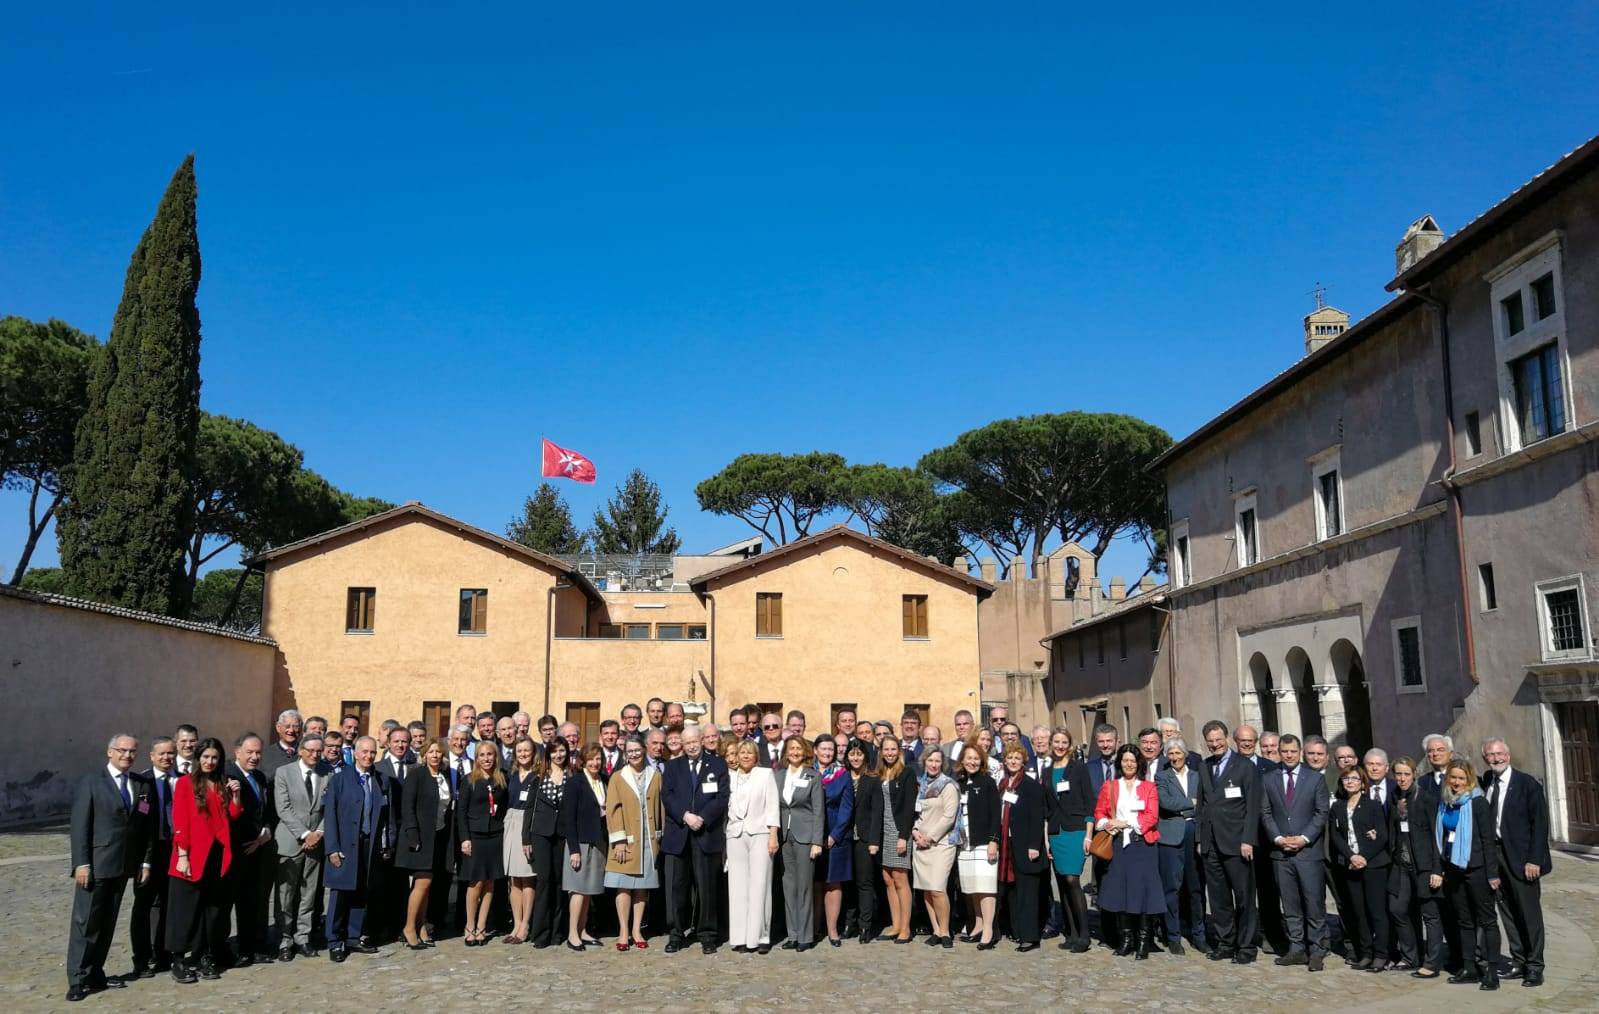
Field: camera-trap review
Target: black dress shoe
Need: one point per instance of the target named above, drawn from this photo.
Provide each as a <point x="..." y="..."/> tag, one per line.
<point x="835" y="942"/>
<point x="137" y="972"/>
<point x="286" y="954"/>
<point x="1243" y="959"/>
<point x="1291" y="958"/>
<point x="1532" y="979"/>
<point x="674" y="945"/>
<point x="1314" y="963"/>
<point x="1031" y="945"/>
<point x="1464" y="977"/>
<point x="307" y="951"/>
<point x="709" y="948"/>
<point x="575" y="947"/>
<point x="1222" y="954"/>
<point x="740" y="949"/>
<point x="77" y="993"/>
<point x="243" y="961"/>
<point x="363" y="947"/>
<point x="791" y="944"/>
<point x="1515" y="971"/>
<point x="337" y="954"/>
<point x="948" y="942"/>
<point x="265" y="958"/>
<point x="208" y="970"/>
<point x="988" y="946"/>
<point x="764" y="949"/>
<point x="1175" y="947"/>
<point x="184" y="974"/>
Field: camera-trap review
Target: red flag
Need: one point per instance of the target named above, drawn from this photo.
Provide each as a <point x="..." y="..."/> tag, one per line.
<point x="560" y="463"/>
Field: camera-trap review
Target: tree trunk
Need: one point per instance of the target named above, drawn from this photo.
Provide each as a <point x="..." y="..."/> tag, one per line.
<point x="36" y="527"/>
<point x="233" y="600"/>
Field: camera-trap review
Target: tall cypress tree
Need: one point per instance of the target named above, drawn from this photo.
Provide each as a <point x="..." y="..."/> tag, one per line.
<point x="128" y="514"/>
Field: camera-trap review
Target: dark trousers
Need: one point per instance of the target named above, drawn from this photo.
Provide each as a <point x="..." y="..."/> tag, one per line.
<point x="1303" y="893"/>
<point x="1021" y="895"/>
<point x="1230" y="882"/>
<point x="1337" y="879"/>
<point x="250" y="878"/>
<point x="347" y="908"/>
<point x="197" y="924"/>
<point x="693" y="883"/>
<point x="1272" y="925"/>
<point x="1473" y="902"/>
<point x="94" y="922"/>
<point x="1521" y="912"/>
<point x="1421" y="906"/>
<point x="147" y="926"/>
<point x="1109" y="929"/>
<point x="1179" y="875"/>
<point x="1367" y="928"/>
<point x="868" y="876"/>
<point x="544" y="926"/>
<point x="1402" y="913"/>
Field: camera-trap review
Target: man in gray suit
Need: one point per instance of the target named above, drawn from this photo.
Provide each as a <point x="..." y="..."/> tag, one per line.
<point x="297" y="791"/>
<point x="1294" y="812"/>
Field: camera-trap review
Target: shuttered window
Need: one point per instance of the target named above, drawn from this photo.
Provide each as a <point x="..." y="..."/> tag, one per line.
<point x="914" y="610"/>
<point x="768" y="614"/>
<point x="360" y="608"/>
<point x="586" y="716"/>
<point x="474" y="611"/>
<point x="436" y="716"/>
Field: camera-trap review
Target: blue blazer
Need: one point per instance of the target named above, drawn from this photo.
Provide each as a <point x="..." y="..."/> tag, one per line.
<point x="682" y="793"/>
<point x="341" y="826"/>
<point x="840" y="799"/>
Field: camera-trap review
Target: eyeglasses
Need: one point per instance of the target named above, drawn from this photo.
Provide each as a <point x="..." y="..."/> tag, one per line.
<point x="771" y="726"/>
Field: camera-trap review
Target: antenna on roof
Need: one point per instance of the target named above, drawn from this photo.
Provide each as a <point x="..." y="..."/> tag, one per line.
<point x="1320" y="294"/>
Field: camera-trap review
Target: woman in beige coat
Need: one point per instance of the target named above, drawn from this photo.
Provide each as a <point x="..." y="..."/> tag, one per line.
<point x="936" y="836"/>
<point x="634" y="818"/>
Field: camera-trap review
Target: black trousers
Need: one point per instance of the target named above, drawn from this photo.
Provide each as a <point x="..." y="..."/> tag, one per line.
<point x="1521" y="911"/>
<point x="1473" y="902"/>
<point x="694" y="886"/>
<point x="197" y="917"/>
<point x="868" y="878"/>
<point x="1367" y="929"/>
<point x="250" y="881"/>
<point x="1021" y="895"/>
<point x="1420" y="907"/>
<point x="1230" y="882"/>
<point x="1109" y="929"/>
<point x="1273" y="929"/>
<point x="147" y="926"/>
<point x="94" y="921"/>
<point x="1179" y="874"/>
<point x="549" y="911"/>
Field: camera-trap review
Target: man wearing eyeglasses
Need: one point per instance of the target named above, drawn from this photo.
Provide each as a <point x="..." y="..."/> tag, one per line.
<point x="112" y="816"/>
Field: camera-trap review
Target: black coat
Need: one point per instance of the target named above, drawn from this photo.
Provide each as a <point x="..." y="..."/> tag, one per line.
<point x="1027" y="817"/>
<point x="419" y="819"/>
<point x="543" y="820"/>
<point x="1073" y="809"/>
<point x="981" y="799"/>
<point x="902" y="799"/>
<point x="1371" y="832"/>
<point x="472" y="816"/>
<point x="869" y="809"/>
<point x="1410" y="819"/>
<point x="582" y="818"/>
<point x="1227" y="822"/>
<point x="1524" y="824"/>
<point x="1483" y="852"/>
<point x="258" y="807"/>
<point x="112" y="840"/>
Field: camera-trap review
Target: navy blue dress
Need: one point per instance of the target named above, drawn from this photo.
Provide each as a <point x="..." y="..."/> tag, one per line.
<point x="836" y="864"/>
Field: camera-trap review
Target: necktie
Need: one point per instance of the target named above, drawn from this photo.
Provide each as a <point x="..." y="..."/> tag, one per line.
<point x="122" y="788"/>
<point x="401" y="766"/>
<point x="166" y="807"/>
<point x="1288" y="796"/>
<point x="310" y="794"/>
<point x="366" y="811"/>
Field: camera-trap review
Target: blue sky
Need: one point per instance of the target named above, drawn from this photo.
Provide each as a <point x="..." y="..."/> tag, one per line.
<point x="668" y="234"/>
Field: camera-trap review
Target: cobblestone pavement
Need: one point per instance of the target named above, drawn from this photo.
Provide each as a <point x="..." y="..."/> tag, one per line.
<point x="35" y="894"/>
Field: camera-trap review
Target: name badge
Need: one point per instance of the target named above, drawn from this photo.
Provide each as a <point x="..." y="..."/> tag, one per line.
<point x="523" y="797"/>
<point x="708" y="786"/>
<point x="918" y="804"/>
<point x="1449" y="839"/>
<point x="1404" y="827"/>
<point x="1135" y="805"/>
<point x="1009" y="797"/>
<point x="1234" y="792"/>
<point x="144" y="806"/>
<point x="800" y="783"/>
<point x="1063" y="786"/>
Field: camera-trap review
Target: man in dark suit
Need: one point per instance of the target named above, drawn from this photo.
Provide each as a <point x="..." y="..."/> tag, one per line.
<point x="386" y="887"/>
<point x="147" y="928"/>
<point x="1101" y="769"/>
<point x="694" y="793"/>
<point x="610" y="748"/>
<point x="910" y="738"/>
<point x="255" y="859"/>
<point x="1294" y="811"/>
<point x="1229" y="831"/>
<point x="1430" y="777"/>
<point x="1271" y="929"/>
<point x="358" y="827"/>
<point x="112" y="813"/>
<point x="1382" y="783"/>
<point x="286" y="749"/>
<point x="1521" y="828"/>
<point x="770" y="745"/>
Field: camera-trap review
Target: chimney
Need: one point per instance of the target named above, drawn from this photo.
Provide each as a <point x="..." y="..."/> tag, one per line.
<point x="1422" y="238"/>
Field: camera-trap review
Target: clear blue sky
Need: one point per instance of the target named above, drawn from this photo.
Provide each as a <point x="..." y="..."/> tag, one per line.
<point x="667" y="234"/>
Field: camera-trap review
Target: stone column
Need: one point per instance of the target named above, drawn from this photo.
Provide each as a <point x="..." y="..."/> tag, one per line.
<point x="1288" y="712"/>
<point x="1333" y="721"/>
<point x="1250" y="712"/>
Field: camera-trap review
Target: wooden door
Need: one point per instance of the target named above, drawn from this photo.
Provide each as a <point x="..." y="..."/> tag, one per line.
<point x="1579" y="747"/>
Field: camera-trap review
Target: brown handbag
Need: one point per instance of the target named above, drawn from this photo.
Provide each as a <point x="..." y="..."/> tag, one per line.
<point x="1102" y="847"/>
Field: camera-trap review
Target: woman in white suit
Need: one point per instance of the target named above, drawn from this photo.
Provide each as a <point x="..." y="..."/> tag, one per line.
<point x="752" y="823"/>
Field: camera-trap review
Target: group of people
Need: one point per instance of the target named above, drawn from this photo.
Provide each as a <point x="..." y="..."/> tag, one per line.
<point x="756" y="833"/>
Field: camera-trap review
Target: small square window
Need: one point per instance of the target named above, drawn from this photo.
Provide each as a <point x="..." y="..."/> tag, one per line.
<point x="637" y="631"/>
<point x="1487" y="593"/>
<point x="669" y="631"/>
<point x="1565" y="621"/>
<point x="474" y="611"/>
<point x="611" y="631"/>
<point x="360" y="610"/>
<point x="1473" y="434"/>
<point x="913" y="609"/>
<point x="1543" y="296"/>
<point x="696" y="631"/>
<point x="1410" y="669"/>
<point x="1515" y="318"/>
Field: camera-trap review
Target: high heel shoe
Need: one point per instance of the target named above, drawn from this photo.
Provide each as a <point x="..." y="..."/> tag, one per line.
<point x="574" y="947"/>
<point x="622" y="945"/>
<point x="987" y="945"/>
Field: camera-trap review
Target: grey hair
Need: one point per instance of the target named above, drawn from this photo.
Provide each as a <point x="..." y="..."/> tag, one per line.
<point x="1177" y="743"/>
<point x="1377" y="752"/>
<point x="1448" y="743"/>
<point x="463" y="727"/>
<point x="305" y="744"/>
<point x="1171" y="723"/>
<point x="364" y="739"/>
<point x="1491" y="740"/>
<point x="286" y="714"/>
<point x="112" y="742"/>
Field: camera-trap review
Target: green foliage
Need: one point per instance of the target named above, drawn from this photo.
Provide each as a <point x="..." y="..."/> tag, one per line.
<point x="545" y="524"/>
<point x="49" y="580"/>
<point x="125" y="525"/>
<point x="775" y="494"/>
<point x="218" y="600"/>
<point x="1078" y="475"/>
<point x="245" y="491"/>
<point x="634" y="520"/>
<point x="900" y="506"/>
<point x="44" y="383"/>
<point x="359" y="508"/>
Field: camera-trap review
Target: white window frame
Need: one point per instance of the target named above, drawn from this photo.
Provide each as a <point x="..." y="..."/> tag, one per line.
<point x="1246" y="501"/>
<point x="1408" y="623"/>
<point x="1517" y="275"/>
<point x="1181" y="568"/>
<point x="1571" y="582"/>
<point x="1329" y="460"/>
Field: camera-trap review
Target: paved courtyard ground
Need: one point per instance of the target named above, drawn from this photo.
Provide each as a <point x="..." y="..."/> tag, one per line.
<point x="35" y="897"/>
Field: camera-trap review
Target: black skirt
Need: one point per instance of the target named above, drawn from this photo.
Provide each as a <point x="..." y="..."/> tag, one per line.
<point x="486" y="862"/>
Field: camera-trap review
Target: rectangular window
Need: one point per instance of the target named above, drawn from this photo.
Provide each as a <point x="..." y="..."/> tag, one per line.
<point x="924" y="710"/>
<point x="1473" y="434"/>
<point x="1184" y="568"/>
<point x="637" y="631"/>
<point x="1154" y="630"/>
<point x="1543" y="296"/>
<point x="474" y="611"/>
<point x="1099" y="646"/>
<point x="914" y="615"/>
<point x="669" y="631"/>
<point x="1485" y="586"/>
<point x="1410" y="668"/>
<point x="436" y="716"/>
<point x="1564" y="616"/>
<point x="1121" y="637"/>
<point x="505" y="709"/>
<point x="1330" y="503"/>
<point x="1248" y="538"/>
<point x="1538" y="395"/>
<point x="768" y="614"/>
<point x="1082" y="652"/>
<point x="1515" y="319"/>
<point x="611" y="630"/>
<point x="1127" y="725"/>
<point x="361" y="711"/>
<point x="696" y="631"/>
<point x="360" y="608"/>
<point x="586" y="716"/>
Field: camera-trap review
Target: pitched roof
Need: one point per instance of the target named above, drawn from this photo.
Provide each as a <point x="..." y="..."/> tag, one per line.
<point x="121" y="612"/>
<point x="416" y="508"/>
<point x="1153" y="597"/>
<point x="1524" y="197"/>
<point x="981" y="587"/>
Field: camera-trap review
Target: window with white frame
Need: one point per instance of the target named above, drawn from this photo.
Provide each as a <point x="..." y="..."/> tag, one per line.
<point x="1563" y="617"/>
<point x="1182" y="568"/>
<point x="1410" y="660"/>
<point x="1246" y="529"/>
<point x="1530" y="333"/>
<point x="1328" y="492"/>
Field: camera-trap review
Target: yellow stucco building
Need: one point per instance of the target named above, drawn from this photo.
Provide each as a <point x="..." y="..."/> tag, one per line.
<point x="409" y="614"/>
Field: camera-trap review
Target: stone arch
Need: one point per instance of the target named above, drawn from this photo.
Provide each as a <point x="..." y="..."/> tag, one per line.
<point x="1264" y="693"/>
<point x="1304" y="709"/>
<point x="1353" y="697"/>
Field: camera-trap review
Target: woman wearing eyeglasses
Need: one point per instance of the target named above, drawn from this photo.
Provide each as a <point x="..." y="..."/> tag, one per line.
<point x="634" y="818"/>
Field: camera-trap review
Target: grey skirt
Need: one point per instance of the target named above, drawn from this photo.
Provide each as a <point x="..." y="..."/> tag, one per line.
<point x="589" y="877"/>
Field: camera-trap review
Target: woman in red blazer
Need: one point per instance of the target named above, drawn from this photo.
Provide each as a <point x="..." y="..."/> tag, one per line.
<point x="1128" y="807"/>
<point x="203" y="807"/>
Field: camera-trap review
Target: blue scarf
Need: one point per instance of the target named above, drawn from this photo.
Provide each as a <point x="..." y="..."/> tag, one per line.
<point x="1460" y="850"/>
